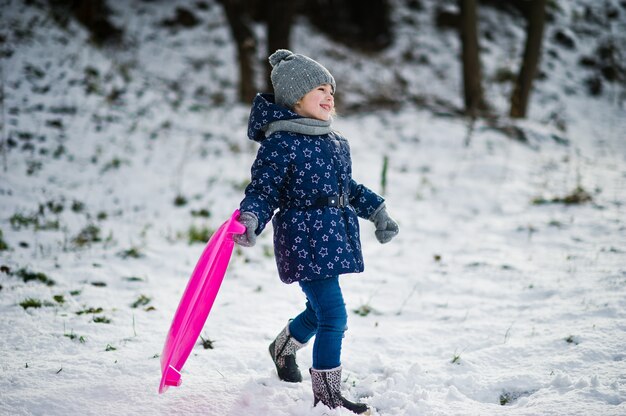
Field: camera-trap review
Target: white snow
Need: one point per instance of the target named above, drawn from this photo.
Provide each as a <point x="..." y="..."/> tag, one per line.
<point x="483" y="297"/>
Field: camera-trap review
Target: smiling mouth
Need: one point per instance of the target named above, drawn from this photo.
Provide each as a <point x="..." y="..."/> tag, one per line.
<point x="325" y="107"/>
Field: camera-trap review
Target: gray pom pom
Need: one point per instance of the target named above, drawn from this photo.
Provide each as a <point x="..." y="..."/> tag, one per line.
<point x="278" y="56"/>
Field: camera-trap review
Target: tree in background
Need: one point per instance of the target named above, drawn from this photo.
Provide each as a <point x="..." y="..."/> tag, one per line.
<point x="532" y="53"/>
<point x="472" y="76"/>
<point x="360" y="24"/>
<point x="93" y="15"/>
<point x="239" y="21"/>
<point x="279" y="18"/>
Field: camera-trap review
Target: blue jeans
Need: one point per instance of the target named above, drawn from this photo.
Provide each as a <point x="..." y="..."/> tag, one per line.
<point x="325" y="317"/>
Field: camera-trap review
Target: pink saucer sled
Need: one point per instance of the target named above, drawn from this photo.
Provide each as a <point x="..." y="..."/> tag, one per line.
<point x="197" y="300"/>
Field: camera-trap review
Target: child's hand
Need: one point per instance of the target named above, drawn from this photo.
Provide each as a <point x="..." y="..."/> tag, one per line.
<point x="386" y="227"/>
<point x="250" y="221"/>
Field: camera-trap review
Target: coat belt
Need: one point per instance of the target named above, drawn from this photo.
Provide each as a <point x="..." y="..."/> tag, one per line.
<point x="337" y="201"/>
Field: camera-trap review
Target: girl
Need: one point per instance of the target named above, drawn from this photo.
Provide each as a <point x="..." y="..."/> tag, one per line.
<point x="303" y="169"/>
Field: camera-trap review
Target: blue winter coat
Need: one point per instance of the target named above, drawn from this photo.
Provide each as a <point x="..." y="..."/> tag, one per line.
<point x="290" y="173"/>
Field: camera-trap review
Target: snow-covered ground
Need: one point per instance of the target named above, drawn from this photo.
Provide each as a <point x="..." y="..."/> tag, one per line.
<point x="485" y="304"/>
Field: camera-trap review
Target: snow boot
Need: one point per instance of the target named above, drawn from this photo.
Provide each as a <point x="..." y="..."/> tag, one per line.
<point x="327" y="389"/>
<point x="283" y="351"/>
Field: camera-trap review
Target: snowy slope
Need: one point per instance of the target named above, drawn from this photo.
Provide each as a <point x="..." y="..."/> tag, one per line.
<point x="485" y="304"/>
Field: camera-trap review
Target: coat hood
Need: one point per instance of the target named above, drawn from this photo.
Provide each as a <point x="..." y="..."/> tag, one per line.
<point x="263" y="112"/>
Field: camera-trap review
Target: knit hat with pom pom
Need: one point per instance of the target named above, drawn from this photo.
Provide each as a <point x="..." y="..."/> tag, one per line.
<point x="293" y="75"/>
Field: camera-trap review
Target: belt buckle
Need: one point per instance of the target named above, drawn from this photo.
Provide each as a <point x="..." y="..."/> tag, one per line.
<point x="339" y="201"/>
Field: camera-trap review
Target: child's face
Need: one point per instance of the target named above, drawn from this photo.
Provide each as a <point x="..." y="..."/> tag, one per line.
<point x="318" y="103"/>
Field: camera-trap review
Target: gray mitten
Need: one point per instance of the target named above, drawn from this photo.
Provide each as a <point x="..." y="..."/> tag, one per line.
<point x="386" y="227"/>
<point x="248" y="238"/>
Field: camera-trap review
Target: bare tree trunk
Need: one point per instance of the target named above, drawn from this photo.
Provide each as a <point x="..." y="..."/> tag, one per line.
<point x="246" y="45"/>
<point x="93" y="15"/>
<point x="361" y="24"/>
<point x="472" y="77"/>
<point x="532" y="53"/>
<point x="279" y="19"/>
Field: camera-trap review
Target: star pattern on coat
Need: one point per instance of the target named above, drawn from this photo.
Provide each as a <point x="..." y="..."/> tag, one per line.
<point x="289" y="174"/>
